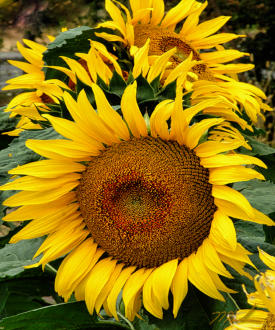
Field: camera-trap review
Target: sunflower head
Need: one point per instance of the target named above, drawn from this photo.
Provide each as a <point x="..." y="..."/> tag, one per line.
<point x="138" y="207"/>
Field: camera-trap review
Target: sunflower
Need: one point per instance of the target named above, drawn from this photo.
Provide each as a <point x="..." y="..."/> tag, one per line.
<point x="148" y="20"/>
<point x="263" y="298"/>
<point x="38" y="91"/>
<point x="136" y="206"/>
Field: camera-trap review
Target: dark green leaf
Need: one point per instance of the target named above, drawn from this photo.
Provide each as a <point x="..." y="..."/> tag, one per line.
<point x="268" y="173"/>
<point x="260" y="194"/>
<point x="6" y="123"/>
<point x="144" y="90"/>
<point x="258" y="148"/>
<point x="4" y="294"/>
<point x="117" y="84"/>
<point x="270" y="231"/>
<point x="18" y="154"/>
<point x="70" y="316"/>
<point x="14" y="256"/>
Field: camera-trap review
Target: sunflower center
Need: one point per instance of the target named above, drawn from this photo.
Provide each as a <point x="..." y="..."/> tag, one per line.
<point x="162" y="40"/>
<point x="147" y="201"/>
<point x="269" y="322"/>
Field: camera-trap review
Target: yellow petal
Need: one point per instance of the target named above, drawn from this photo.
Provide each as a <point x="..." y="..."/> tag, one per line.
<point x="108" y="287"/>
<point x="97" y="279"/>
<point x="112" y="297"/>
<point x="46" y="225"/>
<point x="230" y="159"/>
<point x="211" y="258"/>
<point x="109" y="115"/>
<point x="215" y="40"/>
<point x="29" y="212"/>
<point x="33" y="197"/>
<point x="225" y="175"/>
<point x="196" y="131"/>
<point x="75" y="267"/>
<point x="222" y="231"/>
<point x="211" y="148"/>
<point x="132" y="288"/>
<point x="131" y="111"/>
<point x="222" y="56"/>
<point x="159" y="118"/>
<point x="177" y="13"/>
<point x="162" y="279"/>
<point x="204" y="29"/>
<point x="203" y="282"/>
<point x="71" y="131"/>
<point x="234" y="211"/>
<point x="48" y="168"/>
<point x="267" y="259"/>
<point x="61" y="150"/>
<point x="78" y="69"/>
<point x="179" y="286"/>
<point x="157" y="12"/>
<point x="92" y="123"/>
<point x="234" y="197"/>
<point x="37" y="184"/>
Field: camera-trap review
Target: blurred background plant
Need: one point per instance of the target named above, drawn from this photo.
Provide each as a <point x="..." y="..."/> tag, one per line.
<point x="35" y="19"/>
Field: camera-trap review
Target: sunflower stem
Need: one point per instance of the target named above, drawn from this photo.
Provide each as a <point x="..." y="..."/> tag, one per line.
<point x="50" y="269"/>
<point x="233" y="300"/>
<point x="126" y="320"/>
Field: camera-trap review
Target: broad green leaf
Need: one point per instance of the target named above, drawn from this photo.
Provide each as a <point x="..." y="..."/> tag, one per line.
<point x="259" y="193"/>
<point x="258" y="148"/>
<point x="18" y="154"/>
<point x="6" y="123"/>
<point x="270" y="231"/>
<point x="268" y="173"/>
<point x="117" y="85"/>
<point x="4" y="294"/>
<point x="70" y="316"/>
<point x="13" y="257"/>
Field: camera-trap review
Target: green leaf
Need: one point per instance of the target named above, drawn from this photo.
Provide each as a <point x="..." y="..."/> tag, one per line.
<point x="270" y="231"/>
<point x="13" y="257"/>
<point x="69" y="316"/>
<point x="117" y="84"/>
<point x="18" y="154"/>
<point x="258" y="148"/>
<point x="4" y="294"/>
<point x="6" y="123"/>
<point x="268" y="173"/>
<point x="259" y="193"/>
<point x="145" y="92"/>
<point x="67" y="44"/>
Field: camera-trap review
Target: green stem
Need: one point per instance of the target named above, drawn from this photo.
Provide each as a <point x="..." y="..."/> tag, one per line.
<point x="233" y="300"/>
<point x="50" y="269"/>
<point x="126" y="320"/>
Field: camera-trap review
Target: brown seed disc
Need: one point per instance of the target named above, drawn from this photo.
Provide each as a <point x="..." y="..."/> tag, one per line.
<point x="147" y="201"/>
<point x="162" y="40"/>
<point x="269" y="323"/>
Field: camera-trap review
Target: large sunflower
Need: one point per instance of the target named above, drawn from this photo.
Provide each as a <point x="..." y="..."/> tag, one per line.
<point x="137" y="207"/>
<point x="263" y="298"/>
<point x="148" y="20"/>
